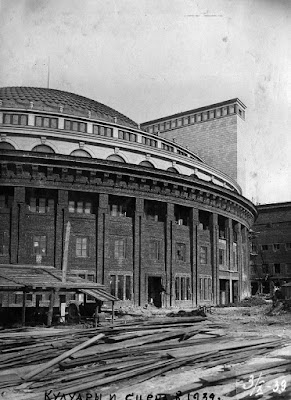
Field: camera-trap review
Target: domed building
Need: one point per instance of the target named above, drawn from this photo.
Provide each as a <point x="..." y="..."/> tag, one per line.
<point x="149" y="218"/>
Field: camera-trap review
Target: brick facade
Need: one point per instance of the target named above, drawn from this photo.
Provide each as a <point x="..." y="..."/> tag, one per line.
<point x="215" y="133"/>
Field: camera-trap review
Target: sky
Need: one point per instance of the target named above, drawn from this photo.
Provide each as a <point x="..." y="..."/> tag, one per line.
<point x="152" y="58"/>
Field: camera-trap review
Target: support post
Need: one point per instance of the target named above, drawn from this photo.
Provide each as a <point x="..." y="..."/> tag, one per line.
<point x="51" y="308"/>
<point x="23" y="308"/>
<point x="112" y="320"/>
<point x="66" y="250"/>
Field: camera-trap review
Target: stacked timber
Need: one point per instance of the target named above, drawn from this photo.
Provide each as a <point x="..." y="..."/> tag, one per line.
<point x="80" y="360"/>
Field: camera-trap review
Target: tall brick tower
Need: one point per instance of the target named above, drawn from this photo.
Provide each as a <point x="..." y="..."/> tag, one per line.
<point x="215" y="133"/>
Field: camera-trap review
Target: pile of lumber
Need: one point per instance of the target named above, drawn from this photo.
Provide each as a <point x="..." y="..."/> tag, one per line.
<point x="80" y="360"/>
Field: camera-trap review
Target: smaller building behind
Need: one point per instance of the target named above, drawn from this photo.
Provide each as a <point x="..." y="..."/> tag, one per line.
<point x="271" y="247"/>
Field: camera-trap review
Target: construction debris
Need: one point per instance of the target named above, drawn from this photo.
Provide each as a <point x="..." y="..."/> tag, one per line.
<point x="38" y="361"/>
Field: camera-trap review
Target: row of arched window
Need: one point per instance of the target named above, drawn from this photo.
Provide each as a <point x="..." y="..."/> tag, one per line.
<point x="42" y="148"/>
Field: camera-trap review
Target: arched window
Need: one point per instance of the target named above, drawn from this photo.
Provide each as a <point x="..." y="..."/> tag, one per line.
<point x="116" y="158"/>
<point x="146" y="164"/>
<point x="6" y="146"/>
<point x="80" y="153"/>
<point x="43" y="148"/>
<point x="172" y="169"/>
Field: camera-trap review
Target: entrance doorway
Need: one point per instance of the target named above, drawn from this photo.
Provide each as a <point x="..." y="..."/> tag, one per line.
<point x="224" y="291"/>
<point x="155" y="289"/>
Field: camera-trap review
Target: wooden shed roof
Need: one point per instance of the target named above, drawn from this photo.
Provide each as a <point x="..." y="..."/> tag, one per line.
<point x="44" y="278"/>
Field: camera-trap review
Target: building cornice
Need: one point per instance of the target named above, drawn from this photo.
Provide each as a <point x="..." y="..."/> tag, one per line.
<point x="195" y="111"/>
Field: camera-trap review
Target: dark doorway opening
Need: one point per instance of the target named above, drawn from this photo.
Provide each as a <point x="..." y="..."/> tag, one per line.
<point x="266" y="287"/>
<point x="155" y="290"/>
<point x="224" y="291"/>
<point x="254" y="288"/>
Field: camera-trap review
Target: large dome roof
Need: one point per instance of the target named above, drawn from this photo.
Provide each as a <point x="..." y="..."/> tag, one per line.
<point x="52" y="100"/>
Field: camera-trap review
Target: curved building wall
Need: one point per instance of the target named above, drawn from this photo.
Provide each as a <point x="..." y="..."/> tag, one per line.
<point x="172" y="234"/>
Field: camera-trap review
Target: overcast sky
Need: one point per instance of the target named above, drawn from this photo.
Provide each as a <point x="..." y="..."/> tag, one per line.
<point x="152" y="58"/>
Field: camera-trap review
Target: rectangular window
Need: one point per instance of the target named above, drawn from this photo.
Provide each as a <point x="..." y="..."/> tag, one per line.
<point x="221" y="256"/>
<point x="180" y="252"/>
<point x="88" y="208"/>
<point x="288" y="246"/>
<point x="149" y="142"/>
<point x="29" y="296"/>
<point x="177" y="288"/>
<point x="121" y="286"/>
<point x="75" y="126"/>
<point x="127" y="136"/>
<point x="46" y="122"/>
<point x="203" y="255"/>
<point x="71" y="206"/>
<point x="102" y="131"/>
<point x="167" y="147"/>
<point x="205" y="284"/>
<point x="276" y="246"/>
<point x="91" y="277"/>
<point x="40" y="204"/>
<point x="15" y="119"/>
<point x="81" y="247"/>
<point x="183" y="288"/>
<point x="277" y="268"/>
<point x="39" y="245"/>
<point x="120" y="249"/>
<point x="80" y="207"/>
<point x="182" y="153"/>
<point x="264" y="247"/>
<point x="155" y="250"/>
<point x="117" y="210"/>
<point x="18" y="298"/>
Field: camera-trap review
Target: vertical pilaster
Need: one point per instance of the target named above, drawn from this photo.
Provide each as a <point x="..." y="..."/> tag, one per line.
<point x="102" y="234"/>
<point x="229" y="247"/>
<point x="239" y="259"/>
<point x="61" y="218"/>
<point x="169" y="253"/>
<point x="214" y="240"/>
<point x="194" y="222"/>
<point x="17" y="225"/>
<point x="137" y="250"/>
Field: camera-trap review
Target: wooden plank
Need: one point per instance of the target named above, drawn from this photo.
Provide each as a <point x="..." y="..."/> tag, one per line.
<point x="63" y="356"/>
<point x="103" y="348"/>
